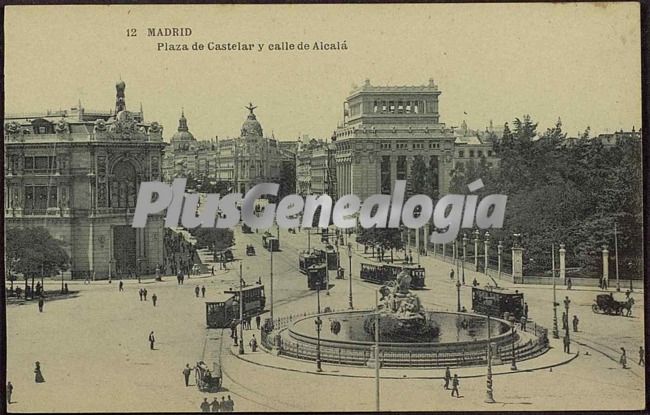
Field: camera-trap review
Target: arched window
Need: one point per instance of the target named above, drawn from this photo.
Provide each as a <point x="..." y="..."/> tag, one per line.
<point x="123" y="185"/>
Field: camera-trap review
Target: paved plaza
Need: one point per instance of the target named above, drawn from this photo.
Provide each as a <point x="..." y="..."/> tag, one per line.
<point x="95" y="345"/>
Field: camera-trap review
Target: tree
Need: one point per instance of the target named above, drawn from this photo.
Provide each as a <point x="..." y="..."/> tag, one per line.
<point x="34" y="252"/>
<point x="217" y="239"/>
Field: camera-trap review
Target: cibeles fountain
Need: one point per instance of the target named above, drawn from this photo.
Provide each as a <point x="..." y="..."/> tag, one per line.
<point x="409" y="335"/>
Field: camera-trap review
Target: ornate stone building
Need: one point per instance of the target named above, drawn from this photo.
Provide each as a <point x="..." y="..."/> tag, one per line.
<point x="384" y="129"/>
<point x="77" y="173"/>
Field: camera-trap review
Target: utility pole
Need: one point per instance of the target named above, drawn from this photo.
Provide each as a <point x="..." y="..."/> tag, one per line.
<point x="556" y="333"/>
<point x="377" y="352"/>
<point x="271" y="291"/>
<point x="241" y="309"/>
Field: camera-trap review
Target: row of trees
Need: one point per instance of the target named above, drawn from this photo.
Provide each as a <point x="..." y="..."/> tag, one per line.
<point x="561" y="192"/>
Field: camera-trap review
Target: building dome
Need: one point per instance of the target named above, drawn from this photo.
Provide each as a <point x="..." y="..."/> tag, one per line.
<point x="183" y="133"/>
<point x="251" y="126"/>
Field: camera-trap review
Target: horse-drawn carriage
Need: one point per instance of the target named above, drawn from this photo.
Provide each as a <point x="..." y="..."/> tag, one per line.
<point x="250" y="250"/>
<point x="207" y="380"/>
<point x="605" y="303"/>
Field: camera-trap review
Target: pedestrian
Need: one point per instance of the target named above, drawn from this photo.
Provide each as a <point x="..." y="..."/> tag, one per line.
<point x="154" y="297"/>
<point x="186" y="374"/>
<point x="121" y="285"/>
<point x="235" y="339"/>
<point x="144" y="294"/>
<point x="568" y="283"/>
<point x="451" y="274"/>
<point x="196" y="291"/>
<point x="224" y="404"/>
<point x="564" y="320"/>
<point x="38" y="376"/>
<point x="475" y="283"/>
<point x="641" y="356"/>
<point x="40" y="304"/>
<point x="627" y="294"/>
<point x="233" y="330"/>
<point x="447" y="378"/>
<point x="152" y="340"/>
<point x="253" y="344"/>
<point x="523" y="322"/>
<point x="205" y="405"/>
<point x="258" y="319"/>
<point x="575" y="323"/>
<point x="623" y="359"/>
<point x="600" y="282"/>
<point x="203" y="291"/>
<point x="567" y="344"/>
<point x="140" y="293"/>
<point x="215" y="407"/>
<point x="231" y="404"/>
<point x="212" y="272"/>
<point x="454" y="385"/>
<point x="10" y="389"/>
<point x="248" y="323"/>
<point x="526" y="309"/>
<point x="605" y="284"/>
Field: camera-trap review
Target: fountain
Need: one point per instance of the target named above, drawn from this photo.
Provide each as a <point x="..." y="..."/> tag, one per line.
<point x="409" y="334"/>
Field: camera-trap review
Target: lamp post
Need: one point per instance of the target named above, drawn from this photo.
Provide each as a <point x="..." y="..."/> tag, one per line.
<point x="618" y="285"/>
<point x="464" y="256"/>
<point x="377" y="351"/>
<point x="556" y="333"/>
<point x="566" y="308"/>
<point x="457" y="263"/>
<point x="350" y="276"/>
<point x="308" y="239"/>
<point x="486" y="245"/>
<point x="499" y="252"/>
<point x="458" y="293"/>
<point x="489" y="396"/>
<point x="271" y="290"/>
<point x="476" y="235"/>
<point x="318" y="327"/>
<point x="241" y="310"/>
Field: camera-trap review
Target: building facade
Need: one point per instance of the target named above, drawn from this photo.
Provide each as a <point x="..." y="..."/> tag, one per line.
<point x="77" y="173"/>
<point x="188" y="156"/>
<point x="384" y="130"/>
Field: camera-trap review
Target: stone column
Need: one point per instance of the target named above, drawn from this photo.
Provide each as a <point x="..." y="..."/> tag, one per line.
<point x="606" y="265"/>
<point x="562" y="263"/>
<point x="517" y="265"/>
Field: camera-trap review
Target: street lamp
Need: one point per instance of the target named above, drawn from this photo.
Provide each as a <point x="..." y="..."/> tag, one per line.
<point x="350" y="276"/>
<point x="556" y="333"/>
<point x="486" y="243"/>
<point x="458" y="293"/>
<point x="241" y="309"/>
<point x="318" y="327"/>
<point x="464" y="255"/>
<point x="618" y="285"/>
<point x="566" y="308"/>
<point x="476" y="235"/>
<point x="271" y="290"/>
<point x="489" y="396"/>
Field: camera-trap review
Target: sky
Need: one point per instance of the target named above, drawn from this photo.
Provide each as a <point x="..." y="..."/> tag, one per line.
<point x="580" y="62"/>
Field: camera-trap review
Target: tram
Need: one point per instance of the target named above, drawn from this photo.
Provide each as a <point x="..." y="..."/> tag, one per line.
<point x="496" y="301"/>
<point x="332" y="257"/>
<point x="222" y="311"/>
<point x="317" y="277"/>
<point x="308" y="258"/>
<point x="383" y="273"/>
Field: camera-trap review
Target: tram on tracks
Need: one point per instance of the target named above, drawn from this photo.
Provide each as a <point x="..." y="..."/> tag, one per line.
<point x="270" y="242"/>
<point x="317" y="256"/>
<point x="317" y="277"/>
<point x="497" y="302"/>
<point x="224" y="309"/>
<point x="383" y="273"/>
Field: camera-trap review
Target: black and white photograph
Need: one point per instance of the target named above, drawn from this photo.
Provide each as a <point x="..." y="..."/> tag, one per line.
<point x="323" y="208"/>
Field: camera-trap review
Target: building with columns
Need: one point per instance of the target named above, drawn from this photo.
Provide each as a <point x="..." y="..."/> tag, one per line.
<point x="76" y="172"/>
<point x="384" y="129"/>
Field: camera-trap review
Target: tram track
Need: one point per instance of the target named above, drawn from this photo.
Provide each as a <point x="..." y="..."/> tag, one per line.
<point x="602" y="349"/>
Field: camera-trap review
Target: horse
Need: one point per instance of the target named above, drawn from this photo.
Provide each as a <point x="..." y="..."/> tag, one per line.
<point x="628" y="307"/>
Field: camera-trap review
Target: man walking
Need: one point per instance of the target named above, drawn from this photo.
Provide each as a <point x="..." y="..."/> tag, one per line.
<point x="231" y="404"/>
<point x="121" y="285"/>
<point x="623" y="359"/>
<point x="10" y="389"/>
<point x="205" y="405"/>
<point x="641" y="356"/>
<point x="196" y="291"/>
<point x="454" y="385"/>
<point x="152" y="340"/>
<point x="258" y="319"/>
<point x="451" y="274"/>
<point x="447" y="378"/>
<point x="144" y="294"/>
<point x="567" y="344"/>
<point x="253" y="344"/>
<point x="186" y="374"/>
<point x="215" y="407"/>
<point x="154" y="297"/>
<point x="40" y="304"/>
<point x="140" y="293"/>
<point x="203" y="291"/>
<point x="575" y="323"/>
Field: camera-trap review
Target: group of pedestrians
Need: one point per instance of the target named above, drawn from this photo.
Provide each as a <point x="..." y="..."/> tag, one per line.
<point x="225" y="405"/>
<point x="455" y="382"/>
<point x="198" y="290"/>
<point x="623" y="359"/>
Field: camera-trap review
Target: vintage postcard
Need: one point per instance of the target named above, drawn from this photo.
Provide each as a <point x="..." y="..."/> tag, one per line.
<point x="307" y="208"/>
